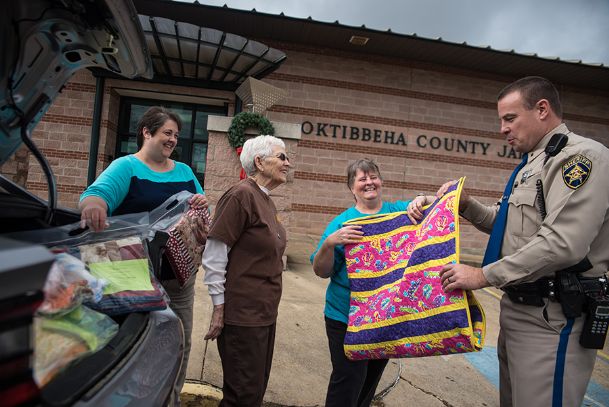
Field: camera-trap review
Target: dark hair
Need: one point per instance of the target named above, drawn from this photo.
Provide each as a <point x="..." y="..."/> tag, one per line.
<point x="154" y="119"/>
<point x="366" y="165"/>
<point x="533" y="89"/>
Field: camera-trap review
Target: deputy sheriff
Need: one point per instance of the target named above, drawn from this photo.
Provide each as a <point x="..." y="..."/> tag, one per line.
<point x="551" y="251"/>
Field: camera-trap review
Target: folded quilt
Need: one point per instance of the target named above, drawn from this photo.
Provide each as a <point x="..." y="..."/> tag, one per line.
<point x="398" y="307"/>
<point x="186" y="243"/>
<point x="123" y="263"/>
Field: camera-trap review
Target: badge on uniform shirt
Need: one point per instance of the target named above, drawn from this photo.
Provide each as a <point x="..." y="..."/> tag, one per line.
<point x="576" y="171"/>
<point x="525" y="176"/>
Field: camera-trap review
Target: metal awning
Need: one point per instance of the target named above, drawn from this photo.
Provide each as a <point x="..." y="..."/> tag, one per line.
<point x="281" y="29"/>
<point x="183" y="53"/>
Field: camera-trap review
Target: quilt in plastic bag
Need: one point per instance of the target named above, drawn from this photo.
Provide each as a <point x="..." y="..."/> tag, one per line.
<point x="124" y="264"/>
<point x="68" y="285"/>
<point x="117" y="255"/>
<point x="61" y="339"/>
<point x="187" y="230"/>
<point x="398" y="307"/>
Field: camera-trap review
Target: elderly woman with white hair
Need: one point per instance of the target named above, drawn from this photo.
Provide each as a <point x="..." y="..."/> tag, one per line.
<point x="243" y="266"/>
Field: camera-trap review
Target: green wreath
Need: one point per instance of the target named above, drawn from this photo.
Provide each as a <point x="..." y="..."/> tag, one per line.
<point x="245" y="120"/>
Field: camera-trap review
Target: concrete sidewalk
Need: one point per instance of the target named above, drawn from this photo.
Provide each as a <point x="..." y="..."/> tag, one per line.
<point x="301" y="364"/>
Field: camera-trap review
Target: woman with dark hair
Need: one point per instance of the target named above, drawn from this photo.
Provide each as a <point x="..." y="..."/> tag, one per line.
<point x="141" y="182"/>
<point x="353" y="383"/>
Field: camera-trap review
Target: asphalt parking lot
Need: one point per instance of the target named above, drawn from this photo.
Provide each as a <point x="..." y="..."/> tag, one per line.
<point x="301" y="364"/>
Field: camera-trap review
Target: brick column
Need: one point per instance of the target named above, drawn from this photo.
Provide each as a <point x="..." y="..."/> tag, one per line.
<point x="223" y="165"/>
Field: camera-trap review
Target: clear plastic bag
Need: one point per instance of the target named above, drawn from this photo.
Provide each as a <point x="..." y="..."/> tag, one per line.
<point x="68" y="285"/>
<point x="124" y="264"/>
<point x="184" y="234"/>
<point x="61" y="339"/>
<point x="117" y="255"/>
<point x="72" y="234"/>
<point x="164" y="216"/>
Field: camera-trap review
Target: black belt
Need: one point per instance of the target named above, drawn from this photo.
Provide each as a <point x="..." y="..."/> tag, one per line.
<point x="594" y="284"/>
<point x="535" y="292"/>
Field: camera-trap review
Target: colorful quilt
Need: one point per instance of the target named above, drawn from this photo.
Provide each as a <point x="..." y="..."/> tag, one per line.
<point x="184" y="248"/>
<point x="398" y="307"/>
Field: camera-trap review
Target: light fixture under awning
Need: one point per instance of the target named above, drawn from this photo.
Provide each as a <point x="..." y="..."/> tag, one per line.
<point x="183" y="50"/>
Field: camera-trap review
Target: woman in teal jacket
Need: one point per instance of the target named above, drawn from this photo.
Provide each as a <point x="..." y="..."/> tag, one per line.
<point x="352" y="383"/>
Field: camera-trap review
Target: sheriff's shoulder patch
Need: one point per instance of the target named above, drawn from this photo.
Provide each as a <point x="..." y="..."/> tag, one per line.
<point x="576" y="171"/>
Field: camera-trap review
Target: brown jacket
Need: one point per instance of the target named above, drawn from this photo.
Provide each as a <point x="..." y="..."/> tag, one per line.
<point x="246" y="220"/>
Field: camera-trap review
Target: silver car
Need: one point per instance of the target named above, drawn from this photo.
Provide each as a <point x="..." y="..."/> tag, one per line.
<point x="43" y="43"/>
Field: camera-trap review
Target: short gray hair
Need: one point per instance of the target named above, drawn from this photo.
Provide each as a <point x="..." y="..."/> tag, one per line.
<point x="261" y="146"/>
<point x="365" y="165"/>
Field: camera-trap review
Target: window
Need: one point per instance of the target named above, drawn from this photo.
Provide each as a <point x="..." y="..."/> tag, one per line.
<point x="192" y="144"/>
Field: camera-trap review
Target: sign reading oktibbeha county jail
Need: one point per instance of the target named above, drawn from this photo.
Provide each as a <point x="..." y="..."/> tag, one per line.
<point x="456" y="145"/>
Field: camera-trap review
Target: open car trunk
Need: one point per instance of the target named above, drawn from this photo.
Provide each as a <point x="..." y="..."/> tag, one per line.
<point x="144" y="347"/>
<point x="43" y="43"/>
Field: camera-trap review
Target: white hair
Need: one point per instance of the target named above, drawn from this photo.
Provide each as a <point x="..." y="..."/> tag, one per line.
<point x="261" y="146"/>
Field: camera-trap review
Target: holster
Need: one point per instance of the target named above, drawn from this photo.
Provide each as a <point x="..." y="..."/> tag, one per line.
<point x="566" y="287"/>
<point x="531" y="293"/>
<point x="569" y="289"/>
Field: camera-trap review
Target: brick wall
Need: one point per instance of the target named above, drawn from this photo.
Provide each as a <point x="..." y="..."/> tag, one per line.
<point x="64" y="134"/>
<point x="63" y="137"/>
<point x="16" y="168"/>
<point x="222" y="172"/>
<point x="392" y="98"/>
<point x="419" y="101"/>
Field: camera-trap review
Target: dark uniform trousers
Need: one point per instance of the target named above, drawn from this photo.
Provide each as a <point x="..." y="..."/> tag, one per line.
<point x="247" y="356"/>
<point x="352" y="383"/>
<point x="535" y="345"/>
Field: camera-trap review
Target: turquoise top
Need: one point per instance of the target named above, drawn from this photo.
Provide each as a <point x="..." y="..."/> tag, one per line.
<point x="339" y="291"/>
<point x="130" y="186"/>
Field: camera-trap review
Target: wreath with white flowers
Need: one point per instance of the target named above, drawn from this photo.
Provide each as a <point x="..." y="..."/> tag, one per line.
<point x="245" y="120"/>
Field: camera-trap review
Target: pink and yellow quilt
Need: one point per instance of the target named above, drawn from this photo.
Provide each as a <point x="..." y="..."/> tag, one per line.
<point x="398" y="307"/>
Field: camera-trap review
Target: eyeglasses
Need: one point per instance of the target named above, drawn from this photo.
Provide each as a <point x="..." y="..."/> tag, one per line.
<point x="283" y="157"/>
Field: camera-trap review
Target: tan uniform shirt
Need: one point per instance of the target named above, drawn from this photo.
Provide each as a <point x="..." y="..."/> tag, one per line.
<point x="576" y="190"/>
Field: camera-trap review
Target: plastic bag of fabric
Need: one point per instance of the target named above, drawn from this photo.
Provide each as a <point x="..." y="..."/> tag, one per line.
<point x="118" y="255"/>
<point x="398" y="307"/>
<point x="186" y="232"/>
<point x="61" y="339"/>
<point x="124" y="264"/>
<point x="62" y="238"/>
<point x="69" y="284"/>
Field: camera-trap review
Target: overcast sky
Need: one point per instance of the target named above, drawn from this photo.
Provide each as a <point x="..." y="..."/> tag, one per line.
<point x="569" y="29"/>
